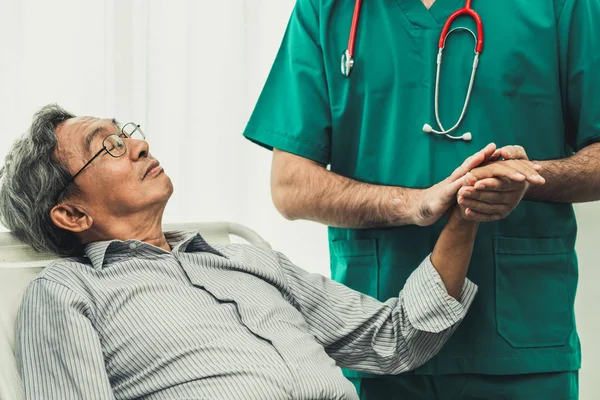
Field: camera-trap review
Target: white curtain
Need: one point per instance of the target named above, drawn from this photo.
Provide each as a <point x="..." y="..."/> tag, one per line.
<point x="190" y="72"/>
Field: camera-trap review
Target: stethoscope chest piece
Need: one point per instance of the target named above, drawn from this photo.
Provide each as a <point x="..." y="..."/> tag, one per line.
<point x="347" y="63"/>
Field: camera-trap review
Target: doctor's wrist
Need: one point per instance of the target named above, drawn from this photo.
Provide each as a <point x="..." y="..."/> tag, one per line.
<point x="417" y="209"/>
<point x="401" y="205"/>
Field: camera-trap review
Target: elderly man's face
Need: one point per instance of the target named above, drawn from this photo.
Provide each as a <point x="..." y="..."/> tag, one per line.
<point x="111" y="187"/>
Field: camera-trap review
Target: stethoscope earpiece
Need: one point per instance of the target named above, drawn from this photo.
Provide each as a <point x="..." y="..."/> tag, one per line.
<point x="467" y="137"/>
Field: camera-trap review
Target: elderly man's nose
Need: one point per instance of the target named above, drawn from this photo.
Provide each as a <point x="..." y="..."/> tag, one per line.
<point x="138" y="148"/>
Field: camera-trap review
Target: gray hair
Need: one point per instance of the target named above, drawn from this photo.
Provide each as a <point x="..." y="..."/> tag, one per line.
<point x="31" y="183"/>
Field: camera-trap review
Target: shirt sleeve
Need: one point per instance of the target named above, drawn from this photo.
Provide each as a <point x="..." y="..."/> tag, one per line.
<point x="58" y="350"/>
<point x="292" y="112"/>
<point x="579" y="30"/>
<point x="363" y="334"/>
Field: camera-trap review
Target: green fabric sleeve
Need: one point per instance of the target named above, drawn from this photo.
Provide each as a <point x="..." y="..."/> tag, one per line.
<point x="579" y="41"/>
<point x="293" y="112"/>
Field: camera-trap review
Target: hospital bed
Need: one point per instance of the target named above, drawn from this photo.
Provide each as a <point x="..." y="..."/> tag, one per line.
<point x="19" y="264"/>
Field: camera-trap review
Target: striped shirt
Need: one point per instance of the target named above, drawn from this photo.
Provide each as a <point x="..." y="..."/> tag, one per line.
<point x="132" y="321"/>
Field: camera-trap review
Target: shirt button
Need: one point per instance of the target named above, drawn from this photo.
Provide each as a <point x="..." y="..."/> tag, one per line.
<point x="132" y="246"/>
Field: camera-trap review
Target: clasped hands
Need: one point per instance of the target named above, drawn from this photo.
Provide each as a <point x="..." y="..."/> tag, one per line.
<point x="491" y="191"/>
<point x="487" y="187"/>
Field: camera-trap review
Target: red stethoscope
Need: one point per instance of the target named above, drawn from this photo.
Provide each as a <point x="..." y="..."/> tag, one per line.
<point x="348" y="62"/>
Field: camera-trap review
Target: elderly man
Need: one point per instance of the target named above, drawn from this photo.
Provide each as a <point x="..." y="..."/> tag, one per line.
<point x="135" y="312"/>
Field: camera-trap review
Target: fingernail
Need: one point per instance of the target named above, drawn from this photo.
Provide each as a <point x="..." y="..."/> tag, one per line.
<point x="468" y="211"/>
<point x="467" y="194"/>
<point x="519" y="176"/>
<point x="480" y="186"/>
<point x="537" y="166"/>
<point x="539" y="178"/>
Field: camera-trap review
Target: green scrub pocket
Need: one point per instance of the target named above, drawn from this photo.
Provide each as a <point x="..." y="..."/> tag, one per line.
<point x="356" y="265"/>
<point x="533" y="306"/>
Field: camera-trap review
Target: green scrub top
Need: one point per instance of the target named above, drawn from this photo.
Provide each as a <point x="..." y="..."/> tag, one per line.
<point x="537" y="86"/>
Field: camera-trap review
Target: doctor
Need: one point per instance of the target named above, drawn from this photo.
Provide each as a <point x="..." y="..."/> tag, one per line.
<point x="536" y="86"/>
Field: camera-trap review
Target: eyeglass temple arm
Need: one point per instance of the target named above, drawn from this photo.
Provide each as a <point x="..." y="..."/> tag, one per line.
<point x="84" y="167"/>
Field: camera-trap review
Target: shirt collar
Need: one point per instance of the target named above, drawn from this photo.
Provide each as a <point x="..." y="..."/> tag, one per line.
<point x="102" y="252"/>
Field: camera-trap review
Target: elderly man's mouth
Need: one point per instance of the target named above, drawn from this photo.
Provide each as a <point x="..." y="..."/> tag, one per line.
<point x="154" y="169"/>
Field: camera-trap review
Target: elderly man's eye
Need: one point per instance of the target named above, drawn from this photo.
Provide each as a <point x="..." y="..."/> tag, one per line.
<point x="115" y="145"/>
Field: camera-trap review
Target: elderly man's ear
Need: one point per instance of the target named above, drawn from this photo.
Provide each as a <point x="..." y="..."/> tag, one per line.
<point x="71" y="217"/>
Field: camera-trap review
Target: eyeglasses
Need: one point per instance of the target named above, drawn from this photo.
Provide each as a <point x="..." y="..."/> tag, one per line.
<point x="113" y="145"/>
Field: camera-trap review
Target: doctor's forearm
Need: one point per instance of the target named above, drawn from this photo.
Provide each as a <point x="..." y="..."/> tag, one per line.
<point x="303" y="189"/>
<point x="575" y="179"/>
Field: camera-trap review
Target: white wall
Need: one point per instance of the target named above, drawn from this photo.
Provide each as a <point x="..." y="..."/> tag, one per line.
<point x="587" y="304"/>
<point x="189" y="72"/>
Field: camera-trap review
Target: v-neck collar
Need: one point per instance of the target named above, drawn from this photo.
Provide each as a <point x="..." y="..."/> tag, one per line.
<point x="420" y="18"/>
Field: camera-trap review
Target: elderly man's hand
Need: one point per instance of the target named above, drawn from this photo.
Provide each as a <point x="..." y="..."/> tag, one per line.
<point x="493" y="191"/>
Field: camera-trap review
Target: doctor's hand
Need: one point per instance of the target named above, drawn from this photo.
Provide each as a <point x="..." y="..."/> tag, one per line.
<point x="491" y="192"/>
<point x="433" y="203"/>
<point x="510" y="153"/>
<point x="505" y="153"/>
